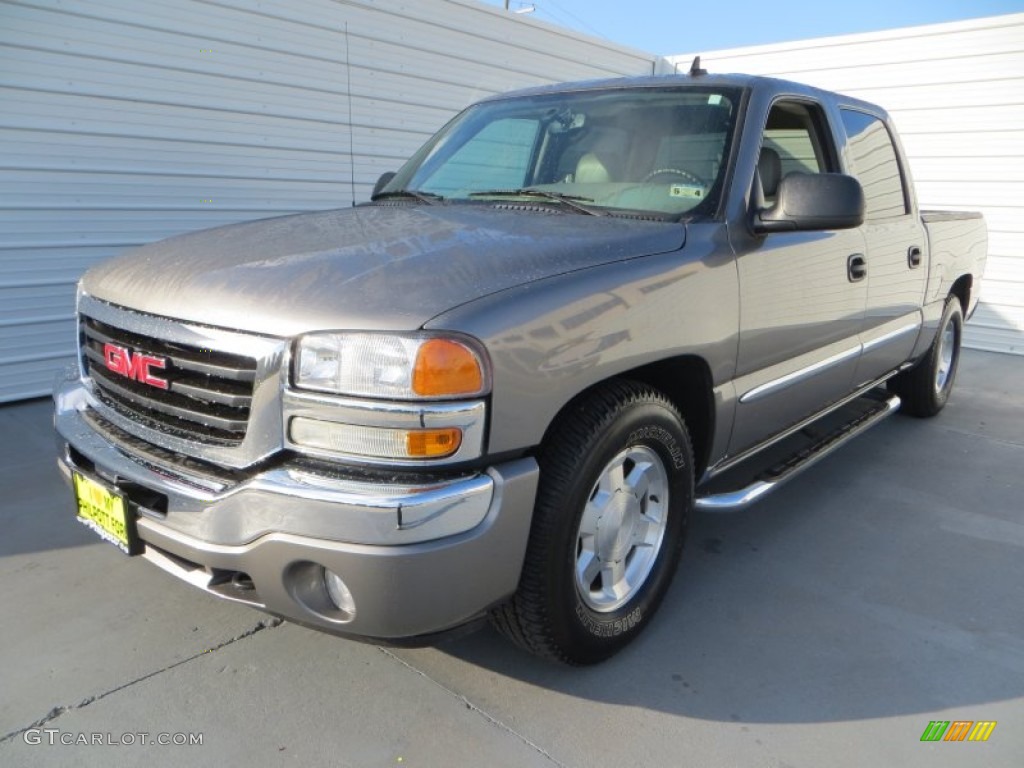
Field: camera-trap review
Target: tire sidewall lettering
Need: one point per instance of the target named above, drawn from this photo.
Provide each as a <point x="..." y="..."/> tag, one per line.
<point x="610" y="627"/>
<point x="654" y="433"/>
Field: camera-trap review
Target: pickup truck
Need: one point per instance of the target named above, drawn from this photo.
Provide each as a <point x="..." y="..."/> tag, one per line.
<point x="501" y="388"/>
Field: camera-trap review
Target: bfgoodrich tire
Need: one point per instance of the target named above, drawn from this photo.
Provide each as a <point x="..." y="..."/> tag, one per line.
<point x="925" y="388"/>
<point x="613" y="506"/>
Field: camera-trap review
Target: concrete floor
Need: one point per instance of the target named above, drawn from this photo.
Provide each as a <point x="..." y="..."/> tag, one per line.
<point x="826" y="626"/>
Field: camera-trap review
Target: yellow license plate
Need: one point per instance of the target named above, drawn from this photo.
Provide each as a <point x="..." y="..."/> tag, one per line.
<point x="105" y="511"/>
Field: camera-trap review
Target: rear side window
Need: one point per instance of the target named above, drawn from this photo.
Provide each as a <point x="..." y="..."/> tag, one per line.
<point x="875" y="164"/>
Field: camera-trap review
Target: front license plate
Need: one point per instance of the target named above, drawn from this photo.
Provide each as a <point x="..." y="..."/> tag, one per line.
<point x="105" y="511"/>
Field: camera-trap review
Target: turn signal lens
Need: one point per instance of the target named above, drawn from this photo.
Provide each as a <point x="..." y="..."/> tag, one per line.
<point x="375" y="442"/>
<point x="432" y="443"/>
<point x="446" y="368"/>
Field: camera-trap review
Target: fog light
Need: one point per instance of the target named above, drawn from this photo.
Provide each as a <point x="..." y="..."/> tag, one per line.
<point x="339" y="594"/>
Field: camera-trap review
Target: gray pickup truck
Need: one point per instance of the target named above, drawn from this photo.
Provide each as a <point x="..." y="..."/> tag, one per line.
<point x="501" y="388"/>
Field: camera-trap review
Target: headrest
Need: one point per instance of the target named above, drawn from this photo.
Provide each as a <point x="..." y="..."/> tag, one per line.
<point x="769" y="168"/>
<point x="590" y="170"/>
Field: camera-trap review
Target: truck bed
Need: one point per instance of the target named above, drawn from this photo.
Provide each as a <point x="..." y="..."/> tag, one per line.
<point x="958" y="244"/>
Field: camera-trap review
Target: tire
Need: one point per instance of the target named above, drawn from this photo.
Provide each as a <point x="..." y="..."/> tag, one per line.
<point x="925" y="388"/>
<point x="612" y="511"/>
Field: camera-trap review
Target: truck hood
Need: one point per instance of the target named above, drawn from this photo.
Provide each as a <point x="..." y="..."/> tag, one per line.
<point x="369" y="268"/>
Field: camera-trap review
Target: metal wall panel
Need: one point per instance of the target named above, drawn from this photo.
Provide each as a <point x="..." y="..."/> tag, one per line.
<point x="124" y="122"/>
<point x="955" y="92"/>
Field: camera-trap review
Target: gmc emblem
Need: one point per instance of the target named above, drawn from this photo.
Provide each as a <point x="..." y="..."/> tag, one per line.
<point x="136" y="367"/>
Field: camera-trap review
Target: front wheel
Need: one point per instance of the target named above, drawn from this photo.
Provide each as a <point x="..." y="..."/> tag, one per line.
<point x="925" y="388"/>
<point x="612" y="509"/>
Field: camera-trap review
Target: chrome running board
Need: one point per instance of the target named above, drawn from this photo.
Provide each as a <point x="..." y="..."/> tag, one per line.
<point x="873" y="409"/>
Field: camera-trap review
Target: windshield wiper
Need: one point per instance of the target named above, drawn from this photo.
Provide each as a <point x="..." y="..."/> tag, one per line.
<point x="570" y="201"/>
<point x="410" y="194"/>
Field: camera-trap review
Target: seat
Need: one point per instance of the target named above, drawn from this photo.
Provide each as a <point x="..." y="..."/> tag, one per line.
<point x="769" y="171"/>
<point x="591" y="170"/>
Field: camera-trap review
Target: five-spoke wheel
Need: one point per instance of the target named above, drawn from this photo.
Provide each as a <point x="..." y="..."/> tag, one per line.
<point x="622" y="528"/>
<point x="616" y="490"/>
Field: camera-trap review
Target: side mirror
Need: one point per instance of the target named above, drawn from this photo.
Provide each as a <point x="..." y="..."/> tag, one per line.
<point x="382" y="182"/>
<point x="812" y="202"/>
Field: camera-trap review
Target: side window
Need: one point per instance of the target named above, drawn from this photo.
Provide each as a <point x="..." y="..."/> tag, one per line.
<point x="875" y="165"/>
<point x="500" y="153"/>
<point x="794" y="141"/>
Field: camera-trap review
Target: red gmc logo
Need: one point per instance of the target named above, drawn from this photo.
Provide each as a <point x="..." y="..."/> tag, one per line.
<point x="136" y="367"/>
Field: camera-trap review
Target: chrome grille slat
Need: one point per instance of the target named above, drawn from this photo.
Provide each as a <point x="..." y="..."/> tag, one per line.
<point x="110" y="386"/>
<point x="93" y="355"/>
<point x="203" y="475"/>
<point x="189" y="389"/>
<point x="209" y="393"/>
<point x="212" y="395"/>
<point x="182" y="361"/>
<point x="219" y="371"/>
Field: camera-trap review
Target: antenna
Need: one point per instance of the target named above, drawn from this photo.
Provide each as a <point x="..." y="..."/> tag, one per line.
<point x="351" y="142"/>
<point x="695" y="70"/>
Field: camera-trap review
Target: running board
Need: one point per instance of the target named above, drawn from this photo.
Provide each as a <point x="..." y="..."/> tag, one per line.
<point x="808" y="451"/>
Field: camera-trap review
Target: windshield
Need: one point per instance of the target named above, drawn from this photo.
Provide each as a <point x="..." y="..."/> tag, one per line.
<point x="640" y="150"/>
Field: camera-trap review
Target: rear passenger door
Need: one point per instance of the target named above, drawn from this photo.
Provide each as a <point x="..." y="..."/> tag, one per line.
<point x="800" y="312"/>
<point x="895" y="243"/>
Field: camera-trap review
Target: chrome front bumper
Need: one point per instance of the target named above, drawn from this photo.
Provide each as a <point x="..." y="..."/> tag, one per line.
<point x="418" y="559"/>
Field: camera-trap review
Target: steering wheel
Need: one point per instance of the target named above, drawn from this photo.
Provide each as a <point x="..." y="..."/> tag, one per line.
<point x="691" y="177"/>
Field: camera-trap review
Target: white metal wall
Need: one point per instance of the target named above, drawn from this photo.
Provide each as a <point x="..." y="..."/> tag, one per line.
<point x="122" y="122"/>
<point x="956" y="93"/>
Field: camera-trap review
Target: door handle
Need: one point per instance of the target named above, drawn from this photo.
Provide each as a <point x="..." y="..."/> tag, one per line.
<point x="856" y="268"/>
<point x="914" y="257"/>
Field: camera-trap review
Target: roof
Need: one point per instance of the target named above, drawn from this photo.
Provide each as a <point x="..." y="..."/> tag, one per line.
<point x="681" y="80"/>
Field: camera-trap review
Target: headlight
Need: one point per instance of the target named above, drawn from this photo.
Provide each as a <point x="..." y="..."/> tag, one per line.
<point x="389" y="366"/>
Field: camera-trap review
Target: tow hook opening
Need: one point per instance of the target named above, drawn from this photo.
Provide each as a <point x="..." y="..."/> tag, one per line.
<point x="242" y="581"/>
<point x="234" y="585"/>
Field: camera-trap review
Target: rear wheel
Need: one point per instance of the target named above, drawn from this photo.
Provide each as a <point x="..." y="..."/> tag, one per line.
<point x="612" y="510"/>
<point x="925" y="388"/>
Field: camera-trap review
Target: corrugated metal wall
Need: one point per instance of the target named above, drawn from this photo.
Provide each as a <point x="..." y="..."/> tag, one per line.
<point x="956" y="93"/>
<point x="123" y="122"/>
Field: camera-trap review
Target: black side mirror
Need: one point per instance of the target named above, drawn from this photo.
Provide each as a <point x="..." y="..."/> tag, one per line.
<point x="382" y="182"/>
<point x="808" y="202"/>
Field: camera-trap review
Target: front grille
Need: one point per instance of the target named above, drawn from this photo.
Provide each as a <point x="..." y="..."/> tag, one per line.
<point x="208" y="396"/>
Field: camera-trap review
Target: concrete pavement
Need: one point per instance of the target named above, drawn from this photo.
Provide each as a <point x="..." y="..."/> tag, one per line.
<point x="826" y="625"/>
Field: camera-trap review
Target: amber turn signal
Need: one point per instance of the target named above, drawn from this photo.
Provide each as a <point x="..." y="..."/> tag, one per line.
<point x="375" y="441"/>
<point x="446" y="368"/>
<point x="432" y="443"/>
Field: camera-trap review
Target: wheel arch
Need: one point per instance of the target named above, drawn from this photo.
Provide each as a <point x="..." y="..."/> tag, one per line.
<point x="962" y="289"/>
<point x="686" y="381"/>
